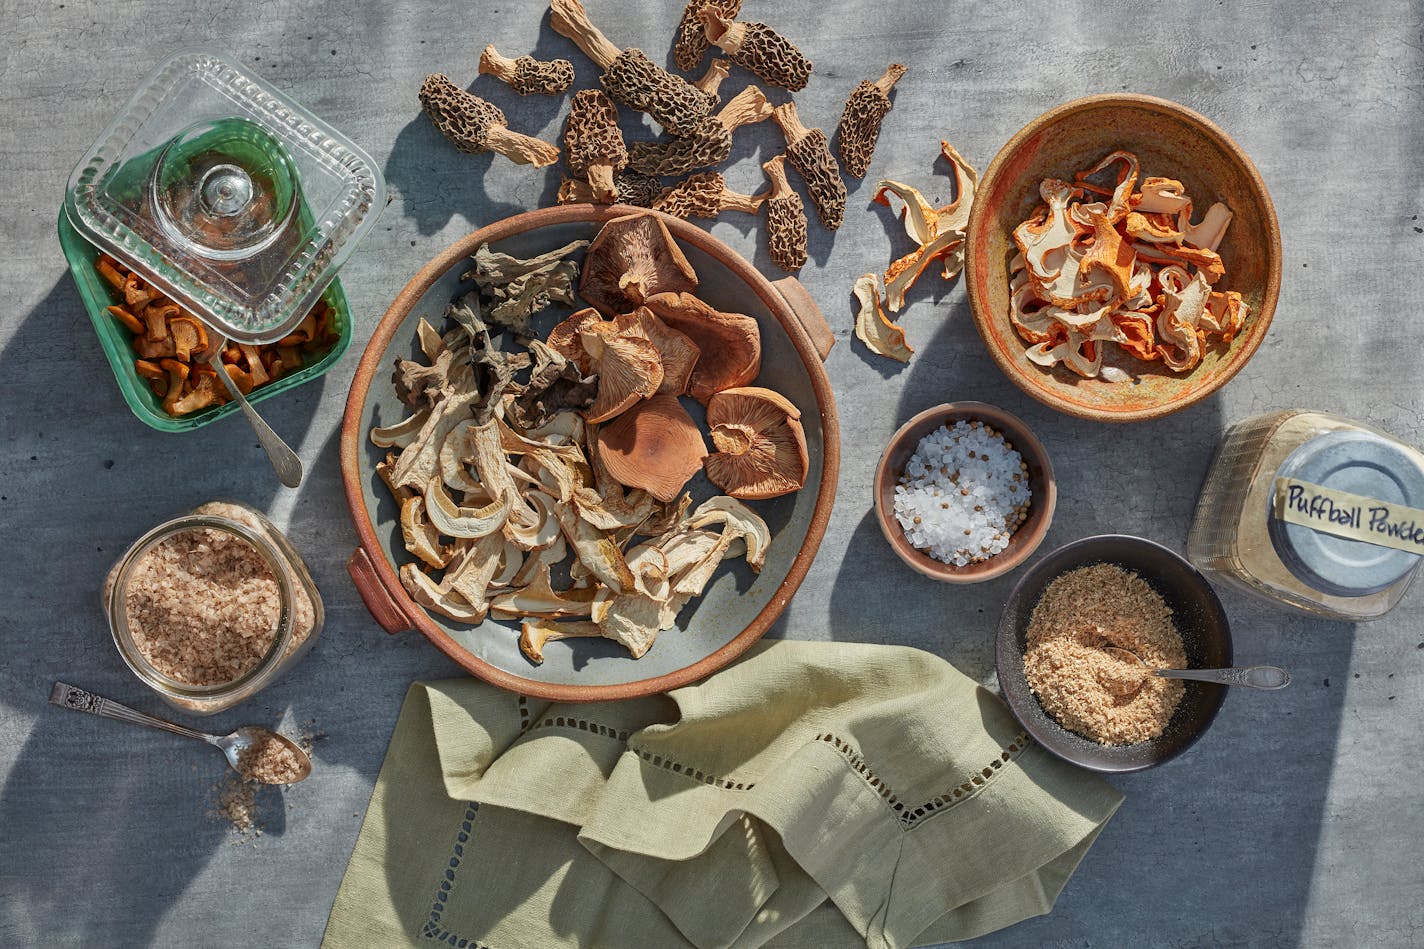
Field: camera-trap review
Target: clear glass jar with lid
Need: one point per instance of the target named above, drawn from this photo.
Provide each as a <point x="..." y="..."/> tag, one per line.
<point x="211" y="607"/>
<point x="1236" y="537"/>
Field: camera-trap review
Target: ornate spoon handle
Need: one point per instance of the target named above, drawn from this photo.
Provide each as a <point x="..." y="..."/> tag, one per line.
<point x="1254" y="677"/>
<point x="69" y="696"/>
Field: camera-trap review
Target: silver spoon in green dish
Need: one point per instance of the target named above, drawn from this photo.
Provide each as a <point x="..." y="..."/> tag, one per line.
<point x="256" y="753"/>
<point x="1253" y="677"/>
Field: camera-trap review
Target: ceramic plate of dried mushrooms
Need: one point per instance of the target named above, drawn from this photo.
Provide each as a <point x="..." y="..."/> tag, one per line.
<point x="590" y="453"/>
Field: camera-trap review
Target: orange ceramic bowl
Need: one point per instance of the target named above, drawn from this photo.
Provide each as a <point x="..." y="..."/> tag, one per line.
<point x="1170" y="141"/>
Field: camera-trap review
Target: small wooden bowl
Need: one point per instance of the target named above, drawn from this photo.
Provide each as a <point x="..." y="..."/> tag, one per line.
<point x="1040" y="479"/>
<point x="1170" y="141"/>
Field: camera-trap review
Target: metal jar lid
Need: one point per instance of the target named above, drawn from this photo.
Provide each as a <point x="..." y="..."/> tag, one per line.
<point x="1357" y="462"/>
<point x="226" y="195"/>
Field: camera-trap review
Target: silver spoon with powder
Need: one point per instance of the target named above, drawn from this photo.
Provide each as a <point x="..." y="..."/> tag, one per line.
<point x="1254" y="677"/>
<point x="256" y="753"/>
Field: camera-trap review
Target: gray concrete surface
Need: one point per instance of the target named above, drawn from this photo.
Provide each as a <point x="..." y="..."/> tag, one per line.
<point x="1295" y="822"/>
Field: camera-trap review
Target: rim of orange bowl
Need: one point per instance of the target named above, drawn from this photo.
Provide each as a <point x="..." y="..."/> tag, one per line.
<point x="978" y="294"/>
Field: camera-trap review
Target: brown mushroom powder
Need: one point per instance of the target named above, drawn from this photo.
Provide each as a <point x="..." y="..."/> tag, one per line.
<point x="202" y="606"/>
<point x="1109" y="699"/>
<point x="269" y="760"/>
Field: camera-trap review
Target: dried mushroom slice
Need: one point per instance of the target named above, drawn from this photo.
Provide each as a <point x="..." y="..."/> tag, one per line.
<point x="628" y="365"/>
<point x="527" y="75"/>
<point x="593" y="143"/>
<point x="761" y="446"/>
<point x="785" y="219"/>
<point x="860" y="120"/>
<point x="810" y="154"/>
<point x="758" y="49"/>
<point x="535" y="634"/>
<point x="475" y="125"/>
<point x="630" y="76"/>
<point x="632" y="258"/>
<point x="705" y="194"/>
<point x="730" y="343"/>
<point x="655" y="446"/>
<point x="871" y="324"/>
<point x="692" y="43"/>
<point x="710" y="143"/>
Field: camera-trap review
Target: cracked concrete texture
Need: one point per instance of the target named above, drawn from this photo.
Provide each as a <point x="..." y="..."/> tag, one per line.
<point x="1292" y="823"/>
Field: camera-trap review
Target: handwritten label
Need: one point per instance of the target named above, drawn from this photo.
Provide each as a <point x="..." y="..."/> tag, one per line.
<point x="1351" y="516"/>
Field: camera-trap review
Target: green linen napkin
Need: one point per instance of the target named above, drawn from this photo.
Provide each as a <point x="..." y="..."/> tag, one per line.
<point x="813" y="794"/>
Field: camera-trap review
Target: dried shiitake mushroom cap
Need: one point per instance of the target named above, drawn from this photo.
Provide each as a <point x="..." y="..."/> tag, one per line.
<point x="730" y="343"/>
<point x="527" y="75"/>
<point x="655" y="446"/>
<point x="692" y="43"/>
<point x="632" y="258"/>
<point x="758" y="49"/>
<point x="474" y="125"/>
<point x="860" y="120"/>
<point x="761" y="447"/>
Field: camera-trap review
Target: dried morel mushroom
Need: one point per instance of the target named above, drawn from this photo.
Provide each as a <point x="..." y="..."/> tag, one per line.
<point x="758" y="49"/>
<point x="630" y="76"/>
<point x="711" y="80"/>
<point x="527" y="75"/>
<point x="860" y="120"/>
<point x="710" y="142"/>
<point x="705" y="194"/>
<point x="761" y="447"/>
<point x="593" y="143"/>
<point x="632" y="258"/>
<point x="474" y="125"/>
<point x="810" y="153"/>
<point x="785" y="219"/>
<point x="632" y="187"/>
<point x="692" y="43"/>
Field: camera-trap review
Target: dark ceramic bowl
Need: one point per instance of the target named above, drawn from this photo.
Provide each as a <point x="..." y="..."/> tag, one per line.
<point x="1170" y="140"/>
<point x="1030" y="533"/>
<point x="1198" y="616"/>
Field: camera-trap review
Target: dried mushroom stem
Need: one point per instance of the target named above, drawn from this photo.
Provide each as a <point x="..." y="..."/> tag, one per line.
<point x="810" y="153"/>
<point x="692" y="43"/>
<point x="717" y="70"/>
<point x="710" y="142"/>
<point x="630" y="76"/>
<point x="527" y="75"/>
<point x="474" y="125"/>
<point x="594" y="144"/>
<point x="860" y="120"/>
<point x="705" y="195"/>
<point x="758" y="49"/>
<point x="785" y="219"/>
<point x="568" y="18"/>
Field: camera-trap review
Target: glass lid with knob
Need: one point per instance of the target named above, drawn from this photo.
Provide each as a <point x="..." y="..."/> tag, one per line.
<point x="226" y="195"/>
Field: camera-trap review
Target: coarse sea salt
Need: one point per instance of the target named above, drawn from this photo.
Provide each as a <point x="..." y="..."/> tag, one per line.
<point x="963" y="494"/>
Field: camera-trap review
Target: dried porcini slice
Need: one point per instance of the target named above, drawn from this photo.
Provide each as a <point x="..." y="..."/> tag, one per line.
<point x="761" y="447"/>
<point x="632" y="258"/>
<point x="871" y="324"/>
<point x="1103" y="263"/>
<point x="527" y="75"/>
<point x="730" y="343"/>
<point x="705" y="194"/>
<point x="860" y="121"/>
<point x="655" y="446"/>
<point x="475" y="125"/>
<point x="785" y="219"/>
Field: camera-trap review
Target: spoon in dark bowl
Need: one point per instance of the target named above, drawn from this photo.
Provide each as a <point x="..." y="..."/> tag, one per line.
<point x="1253" y="677"/>
<point x="258" y="754"/>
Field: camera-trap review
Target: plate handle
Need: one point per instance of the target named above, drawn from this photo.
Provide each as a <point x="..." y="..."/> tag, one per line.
<point x="807" y="313"/>
<point x="383" y="609"/>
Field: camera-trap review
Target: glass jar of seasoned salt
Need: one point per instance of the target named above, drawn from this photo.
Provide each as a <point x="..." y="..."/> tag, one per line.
<point x="211" y="607"/>
<point x="1314" y="513"/>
